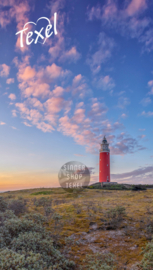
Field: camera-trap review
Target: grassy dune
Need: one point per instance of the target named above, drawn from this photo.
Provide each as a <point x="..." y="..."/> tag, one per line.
<point x="109" y="228"/>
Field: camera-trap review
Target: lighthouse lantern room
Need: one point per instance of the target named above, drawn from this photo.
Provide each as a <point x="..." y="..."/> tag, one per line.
<point x="104" y="162"/>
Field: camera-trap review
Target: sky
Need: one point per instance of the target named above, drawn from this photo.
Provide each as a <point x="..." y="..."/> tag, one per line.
<point x="84" y="69"/>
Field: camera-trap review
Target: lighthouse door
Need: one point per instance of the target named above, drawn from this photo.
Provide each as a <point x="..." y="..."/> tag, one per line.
<point x="107" y="179"/>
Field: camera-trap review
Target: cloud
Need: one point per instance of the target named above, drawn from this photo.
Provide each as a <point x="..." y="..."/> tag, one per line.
<point x="35" y="81"/>
<point x="142" y="136"/>
<point x="127" y="18"/>
<point x="58" y="51"/>
<point x="146" y="101"/>
<point x="124" y="115"/>
<point x="41" y="106"/>
<point x="12" y="96"/>
<point x="79" y="86"/>
<point x="58" y="47"/>
<point x="123" y="102"/>
<point x="79" y="155"/>
<point x="27" y="74"/>
<point x="142" y="129"/>
<point x="55" y="104"/>
<point x="49" y="105"/>
<point x="104" y="83"/>
<point x="147" y="114"/>
<point x="2" y="123"/>
<point x="124" y="144"/>
<point x="147" y="40"/>
<point x="80" y="126"/>
<point x="26" y="124"/>
<point x="97" y="110"/>
<point x="4" y="70"/>
<point x="103" y="53"/>
<point x="136" y="6"/>
<point x="142" y="175"/>
<point x="87" y="127"/>
<point x="10" y="80"/>
<point x="14" y="113"/>
<point x="34" y="117"/>
<point x="18" y="11"/>
<point x="150" y="84"/>
<point x="71" y="55"/>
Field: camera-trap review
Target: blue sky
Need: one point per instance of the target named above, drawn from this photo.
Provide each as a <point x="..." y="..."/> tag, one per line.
<point x="58" y="99"/>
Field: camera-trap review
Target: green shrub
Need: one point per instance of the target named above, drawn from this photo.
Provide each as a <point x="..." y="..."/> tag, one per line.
<point x="115" y="216"/>
<point x="6" y="215"/>
<point x="36" y="218"/>
<point x="18" y="206"/>
<point x="25" y="244"/>
<point x="138" y="187"/>
<point x="42" y="201"/>
<point x="13" y="260"/>
<point x="47" y="192"/>
<point x="100" y="261"/>
<point x="3" y="204"/>
<point x="147" y="261"/>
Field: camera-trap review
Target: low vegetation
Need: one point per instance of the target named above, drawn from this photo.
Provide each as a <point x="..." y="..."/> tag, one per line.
<point x="118" y="187"/>
<point x="97" y="229"/>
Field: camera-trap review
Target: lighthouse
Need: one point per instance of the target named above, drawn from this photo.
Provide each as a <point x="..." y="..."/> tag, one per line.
<point x="104" y="162"/>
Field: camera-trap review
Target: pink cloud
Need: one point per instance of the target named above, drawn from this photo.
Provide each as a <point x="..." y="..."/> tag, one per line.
<point x="15" y="10"/>
<point x="136" y="6"/>
<point x="34" y="102"/>
<point x="79" y="155"/>
<point x="104" y="83"/>
<point x="14" y="113"/>
<point x="4" y="70"/>
<point x="10" y="80"/>
<point x="80" y="87"/>
<point x="45" y="127"/>
<point x="79" y="126"/>
<point x="54" y="104"/>
<point x="58" y="47"/>
<point x="35" y="81"/>
<point x="143" y="136"/>
<point x="103" y="53"/>
<point x="58" y="91"/>
<point x="26" y="124"/>
<point x="147" y="114"/>
<point x="79" y="115"/>
<point x="124" y="115"/>
<point x="54" y="71"/>
<point x="22" y="107"/>
<point x="71" y="55"/>
<point x="2" y="123"/>
<point x="77" y="79"/>
<point x="27" y="74"/>
<point x="127" y="20"/>
<point x="12" y="96"/>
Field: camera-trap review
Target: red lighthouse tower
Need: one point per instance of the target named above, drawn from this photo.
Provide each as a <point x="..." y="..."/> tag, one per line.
<point x="104" y="162"/>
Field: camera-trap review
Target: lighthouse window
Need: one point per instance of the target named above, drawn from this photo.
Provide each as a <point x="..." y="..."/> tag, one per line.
<point x="107" y="164"/>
